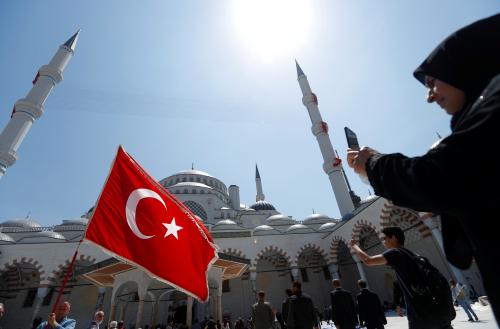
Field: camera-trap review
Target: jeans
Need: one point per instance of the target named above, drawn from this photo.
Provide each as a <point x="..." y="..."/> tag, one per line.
<point x="466" y="306"/>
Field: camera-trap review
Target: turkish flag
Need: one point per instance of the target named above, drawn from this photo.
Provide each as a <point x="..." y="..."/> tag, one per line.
<point x="138" y="221"/>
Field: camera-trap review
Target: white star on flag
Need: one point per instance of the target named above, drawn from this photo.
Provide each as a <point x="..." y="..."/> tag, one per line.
<point x="172" y="228"/>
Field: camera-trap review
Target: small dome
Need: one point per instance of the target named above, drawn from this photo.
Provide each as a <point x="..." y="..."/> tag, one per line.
<point x="262" y="205"/>
<point x="327" y="227"/>
<point x="299" y="228"/>
<point x="225" y="224"/>
<point x="21" y="223"/>
<point x="316" y="218"/>
<point x="279" y="219"/>
<point x="264" y="230"/>
<point x="6" y="239"/>
<point x="43" y="236"/>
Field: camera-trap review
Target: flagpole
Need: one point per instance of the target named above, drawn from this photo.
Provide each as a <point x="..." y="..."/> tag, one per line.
<point x="66" y="277"/>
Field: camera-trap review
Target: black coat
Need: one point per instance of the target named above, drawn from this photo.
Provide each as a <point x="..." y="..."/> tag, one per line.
<point x="343" y="309"/>
<point x="301" y="313"/>
<point x="458" y="179"/>
<point x="371" y="313"/>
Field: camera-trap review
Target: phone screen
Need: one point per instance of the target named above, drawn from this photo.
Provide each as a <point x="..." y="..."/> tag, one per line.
<point x="352" y="139"/>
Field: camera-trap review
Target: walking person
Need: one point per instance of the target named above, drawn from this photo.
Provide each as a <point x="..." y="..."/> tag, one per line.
<point x="262" y="313"/>
<point x="371" y="313"/>
<point x="462" y="76"/>
<point x="343" y="308"/>
<point x="301" y="312"/>
<point x="458" y="293"/>
<point x="400" y="259"/>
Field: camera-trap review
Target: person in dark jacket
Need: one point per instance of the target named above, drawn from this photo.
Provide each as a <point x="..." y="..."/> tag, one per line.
<point x="262" y="313"/>
<point x="457" y="179"/>
<point x="301" y="314"/>
<point x="284" y="307"/>
<point x="371" y="313"/>
<point x="343" y="308"/>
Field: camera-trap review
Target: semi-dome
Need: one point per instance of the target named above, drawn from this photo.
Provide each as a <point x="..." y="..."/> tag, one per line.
<point x="279" y="219"/>
<point x="327" y="227"/>
<point x="21" y="223"/>
<point x="225" y="224"/>
<point x="6" y="239"/>
<point x="43" y="236"/>
<point x="262" y="205"/>
<point x="299" y="228"/>
<point x="316" y="218"/>
<point x="264" y="230"/>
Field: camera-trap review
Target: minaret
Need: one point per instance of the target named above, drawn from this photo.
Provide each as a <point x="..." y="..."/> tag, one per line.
<point x="260" y="195"/>
<point x="28" y="109"/>
<point x="332" y="165"/>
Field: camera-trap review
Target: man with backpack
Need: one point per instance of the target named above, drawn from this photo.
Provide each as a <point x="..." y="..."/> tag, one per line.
<point x="425" y="290"/>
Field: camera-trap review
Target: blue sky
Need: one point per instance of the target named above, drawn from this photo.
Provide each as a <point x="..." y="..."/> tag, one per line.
<point x="177" y="82"/>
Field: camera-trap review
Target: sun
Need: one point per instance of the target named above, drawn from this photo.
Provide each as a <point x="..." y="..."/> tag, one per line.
<point x="272" y="28"/>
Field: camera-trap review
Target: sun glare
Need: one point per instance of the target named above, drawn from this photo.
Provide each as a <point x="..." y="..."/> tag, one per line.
<point x="272" y="28"/>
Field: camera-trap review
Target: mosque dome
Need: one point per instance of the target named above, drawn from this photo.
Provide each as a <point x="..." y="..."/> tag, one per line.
<point x="327" y="227"/>
<point x="194" y="178"/>
<point x="21" y="223"/>
<point x="43" y="236"/>
<point x="316" y="219"/>
<point x="225" y="224"/>
<point x="264" y="230"/>
<point x="299" y="228"/>
<point x="262" y="205"/>
<point x="279" y="219"/>
<point x="6" y="239"/>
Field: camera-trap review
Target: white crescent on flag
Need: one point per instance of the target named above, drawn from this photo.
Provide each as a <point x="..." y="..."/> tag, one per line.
<point x="131" y="207"/>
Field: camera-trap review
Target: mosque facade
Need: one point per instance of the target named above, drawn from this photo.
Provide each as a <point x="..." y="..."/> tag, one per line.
<point x="276" y="250"/>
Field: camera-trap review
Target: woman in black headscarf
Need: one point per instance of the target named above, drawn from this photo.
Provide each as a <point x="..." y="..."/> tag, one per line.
<point x="459" y="179"/>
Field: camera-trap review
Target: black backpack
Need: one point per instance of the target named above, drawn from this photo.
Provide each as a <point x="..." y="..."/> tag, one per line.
<point x="429" y="292"/>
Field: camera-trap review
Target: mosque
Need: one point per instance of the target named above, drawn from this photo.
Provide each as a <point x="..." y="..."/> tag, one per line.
<point x="260" y="248"/>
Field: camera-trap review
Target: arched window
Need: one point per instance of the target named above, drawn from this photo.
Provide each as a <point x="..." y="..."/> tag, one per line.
<point x="183" y="179"/>
<point x="197" y="209"/>
<point x="193" y="191"/>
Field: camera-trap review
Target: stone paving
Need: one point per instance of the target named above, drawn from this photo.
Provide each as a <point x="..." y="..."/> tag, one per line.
<point x="484" y="313"/>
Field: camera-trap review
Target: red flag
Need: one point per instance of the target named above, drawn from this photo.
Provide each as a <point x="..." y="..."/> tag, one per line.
<point x="138" y="221"/>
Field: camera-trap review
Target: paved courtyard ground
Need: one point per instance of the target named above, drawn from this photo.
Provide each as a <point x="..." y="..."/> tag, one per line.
<point x="484" y="313"/>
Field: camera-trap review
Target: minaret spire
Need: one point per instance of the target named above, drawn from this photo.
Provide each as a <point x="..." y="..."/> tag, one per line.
<point x="30" y="108"/>
<point x="332" y="165"/>
<point x="260" y="195"/>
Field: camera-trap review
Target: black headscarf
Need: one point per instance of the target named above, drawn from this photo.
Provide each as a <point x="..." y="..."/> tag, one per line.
<point x="468" y="59"/>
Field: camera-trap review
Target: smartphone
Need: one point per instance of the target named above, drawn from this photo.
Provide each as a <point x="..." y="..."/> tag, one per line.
<point x="352" y="139"/>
